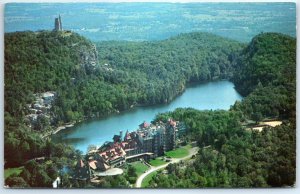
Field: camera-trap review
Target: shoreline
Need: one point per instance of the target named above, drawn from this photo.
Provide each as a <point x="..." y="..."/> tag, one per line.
<point x="59" y="128"/>
<point x="131" y="107"/>
<point x="68" y="125"/>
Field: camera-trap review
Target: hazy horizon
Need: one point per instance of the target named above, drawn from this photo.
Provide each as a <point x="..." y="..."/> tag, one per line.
<point x="154" y="21"/>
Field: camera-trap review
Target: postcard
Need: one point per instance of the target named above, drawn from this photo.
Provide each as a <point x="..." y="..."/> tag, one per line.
<point x="150" y="95"/>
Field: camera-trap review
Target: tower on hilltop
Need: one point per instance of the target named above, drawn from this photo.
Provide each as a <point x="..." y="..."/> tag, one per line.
<point x="57" y="24"/>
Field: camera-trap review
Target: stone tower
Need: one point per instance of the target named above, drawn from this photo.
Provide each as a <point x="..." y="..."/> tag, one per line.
<point x="57" y="24"/>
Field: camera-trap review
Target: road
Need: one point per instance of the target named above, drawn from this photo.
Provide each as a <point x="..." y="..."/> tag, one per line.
<point x="140" y="179"/>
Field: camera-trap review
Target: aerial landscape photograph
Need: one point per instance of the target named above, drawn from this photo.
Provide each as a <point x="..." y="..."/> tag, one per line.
<point x="151" y="95"/>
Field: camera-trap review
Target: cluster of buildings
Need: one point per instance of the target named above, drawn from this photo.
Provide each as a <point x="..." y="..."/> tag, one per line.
<point x="40" y="107"/>
<point x="149" y="141"/>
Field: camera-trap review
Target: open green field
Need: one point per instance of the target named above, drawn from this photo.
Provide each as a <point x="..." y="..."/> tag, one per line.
<point x="140" y="167"/>
<point x="8" y="172"/>
<point x="157" y="162"/>
<point x="188" y="146"/>
<point x="179" y="152"/>
<point x="147" y="179"/>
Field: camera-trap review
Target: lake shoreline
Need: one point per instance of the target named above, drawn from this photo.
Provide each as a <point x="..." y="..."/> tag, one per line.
<point x="129" y="119"/>
<point x="133" y="106"/>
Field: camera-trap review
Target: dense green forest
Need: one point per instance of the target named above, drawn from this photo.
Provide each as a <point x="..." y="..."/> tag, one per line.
<point x="265" y="72"/>
<point x="126" y="73"/>
<point x="93" y="81"/>
<point x="230" y="155"/>
<point x="158" y="71"/>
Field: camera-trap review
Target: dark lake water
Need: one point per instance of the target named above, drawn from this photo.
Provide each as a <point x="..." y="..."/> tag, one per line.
<point x="206" y="96"/>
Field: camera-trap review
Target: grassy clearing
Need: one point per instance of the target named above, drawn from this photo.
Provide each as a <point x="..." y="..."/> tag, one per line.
<point x="147" y="179"/>
<point x="140" y="167"/>
<point x="189" y="146"/>
<point x="179" y="152"/>
<point x="10" y="171"/>
<point x="157" y="162"/>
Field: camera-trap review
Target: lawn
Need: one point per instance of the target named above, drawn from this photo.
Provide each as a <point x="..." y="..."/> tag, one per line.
<point x="188" y="146"/>
<point x="8" y="172"/>
<point x="179" y="152"/>
<point x="140" y="167"/>
<point x="157" y="162"/>
<point x="147" y="179"/>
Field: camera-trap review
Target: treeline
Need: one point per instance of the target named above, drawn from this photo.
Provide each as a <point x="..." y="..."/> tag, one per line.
<point x="230" y="155"/>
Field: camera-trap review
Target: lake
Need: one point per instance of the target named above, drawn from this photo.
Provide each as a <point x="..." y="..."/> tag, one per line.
<point x="205" y="96"/>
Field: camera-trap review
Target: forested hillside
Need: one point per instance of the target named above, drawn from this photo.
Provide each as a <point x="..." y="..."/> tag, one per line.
<point x="126" y="73"/>
<point x="266" y="73"/>
<point x="43" y="61"/>
<point x="230" y="154"/>
<point x="269" y="59"/>
<point x="156" y="72"/>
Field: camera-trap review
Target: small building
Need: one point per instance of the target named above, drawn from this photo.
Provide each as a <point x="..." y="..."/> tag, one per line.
<point x="32" y="117"/>
<point x="48" y="97"/>
<point x="56" y="183"/>
<point x="38" y="106"/>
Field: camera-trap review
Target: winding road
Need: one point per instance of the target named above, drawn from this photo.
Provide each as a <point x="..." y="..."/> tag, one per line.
<point x="140" y="179"/>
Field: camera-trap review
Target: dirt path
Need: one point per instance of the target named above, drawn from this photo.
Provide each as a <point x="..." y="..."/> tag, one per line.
<point x="140" y="179"/>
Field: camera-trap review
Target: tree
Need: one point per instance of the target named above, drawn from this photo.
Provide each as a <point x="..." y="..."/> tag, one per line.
<point x="25" y="174"/>
<point x="257" y="117"/>
<point x="131" y="171"/>
<point x="17" y="182"/>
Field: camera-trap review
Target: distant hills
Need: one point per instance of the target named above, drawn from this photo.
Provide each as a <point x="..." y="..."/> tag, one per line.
<point x="147" y="21"/>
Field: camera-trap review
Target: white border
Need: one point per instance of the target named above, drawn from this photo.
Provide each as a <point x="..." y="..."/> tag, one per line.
<point x="119" y="1"/>
<point x="126" y="191"/>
